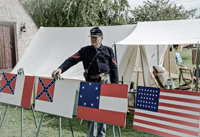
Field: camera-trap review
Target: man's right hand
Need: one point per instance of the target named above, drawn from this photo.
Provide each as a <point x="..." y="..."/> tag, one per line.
<point x="58" y="71"/>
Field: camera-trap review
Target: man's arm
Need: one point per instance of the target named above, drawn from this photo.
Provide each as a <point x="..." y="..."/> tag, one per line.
<point x="67" y="64"/>
<point x="113" y="69"/>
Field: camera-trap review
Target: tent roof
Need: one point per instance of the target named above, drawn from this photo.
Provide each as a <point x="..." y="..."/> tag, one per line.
<point x="51" y="46"/>
<point x="164" y="32"/>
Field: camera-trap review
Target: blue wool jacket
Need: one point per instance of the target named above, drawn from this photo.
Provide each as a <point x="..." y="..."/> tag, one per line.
<point x="104" y="61"/>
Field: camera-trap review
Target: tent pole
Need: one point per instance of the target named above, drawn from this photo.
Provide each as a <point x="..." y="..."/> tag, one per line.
<point x="197" y="68"/>
<point x="115" y="48"/>
<point x="140" y="47"/>
<point x="137" y="79"/>
<point x="157" y="54"/>
<point x="169" y="61"/>
<point x="127" y="64"/>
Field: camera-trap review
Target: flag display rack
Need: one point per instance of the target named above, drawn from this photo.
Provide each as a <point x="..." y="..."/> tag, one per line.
<point x="21" y="116"/>
<point x="59" y="120"/>
<point x="113" y="128"/>
<point x="105" y="80"/>
<point x="58" y="77"/>
<point x="20" y="72"/>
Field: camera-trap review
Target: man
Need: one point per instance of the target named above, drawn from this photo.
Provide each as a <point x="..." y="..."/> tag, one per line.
<point x="97" y="60"/>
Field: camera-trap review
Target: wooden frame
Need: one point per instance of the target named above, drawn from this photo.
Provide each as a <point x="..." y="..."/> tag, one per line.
<point x="194" y="79"/>
<point x="156" y="77"/>
<point x="187" y="80"/>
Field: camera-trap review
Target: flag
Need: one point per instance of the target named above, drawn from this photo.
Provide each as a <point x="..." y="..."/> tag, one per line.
<point x="101" y="102"/>
<point x="45" y="93"/>
<point x="55" y="97"/>
<point x="16" y="89"/>
<point x="170" y="113"/>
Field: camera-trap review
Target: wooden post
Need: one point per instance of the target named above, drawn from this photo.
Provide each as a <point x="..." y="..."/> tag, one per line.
<point x="115" y="47"/>
<point x="197" y="68"/>
<point x="169" y="61"/>
<point x="158" y="55"/>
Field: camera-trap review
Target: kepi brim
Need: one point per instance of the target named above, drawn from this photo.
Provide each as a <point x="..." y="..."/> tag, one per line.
<point x="94" y="36"/>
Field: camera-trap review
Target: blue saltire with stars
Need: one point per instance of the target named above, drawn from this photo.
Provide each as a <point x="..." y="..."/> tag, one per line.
<point x="8" y="82"/>
<point x="45" y="89"/>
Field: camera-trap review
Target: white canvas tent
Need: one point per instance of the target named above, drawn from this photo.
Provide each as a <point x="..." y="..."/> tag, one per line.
<point x="137" y="61"/>
<point x="51" y="46"/>
<point x="162" y="33"/>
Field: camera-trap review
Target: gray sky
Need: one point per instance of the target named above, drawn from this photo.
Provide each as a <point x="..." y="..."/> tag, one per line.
<point x="188" y="4"/>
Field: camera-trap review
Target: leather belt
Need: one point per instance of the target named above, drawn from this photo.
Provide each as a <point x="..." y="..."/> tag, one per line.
<point x="97" y="76"/>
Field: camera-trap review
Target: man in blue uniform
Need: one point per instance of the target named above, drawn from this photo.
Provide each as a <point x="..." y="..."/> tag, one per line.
<point x="97" y="60"/>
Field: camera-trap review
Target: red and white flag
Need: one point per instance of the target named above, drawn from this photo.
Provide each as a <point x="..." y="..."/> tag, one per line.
<point x="106" y="103"/>
<point x="55" y="97"/>
<point x="16" y="89"/>
<point x="170" y="113"/>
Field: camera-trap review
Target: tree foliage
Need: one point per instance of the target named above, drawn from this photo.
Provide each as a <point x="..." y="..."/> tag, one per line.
<point x="160" y="10"/>
<point x="76" y="13"/>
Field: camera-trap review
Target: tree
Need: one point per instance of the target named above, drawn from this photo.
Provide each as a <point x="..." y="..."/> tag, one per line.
<point x="76" y="13"/>
<point x="197" y="17"/>
<point x="160" y="10"/>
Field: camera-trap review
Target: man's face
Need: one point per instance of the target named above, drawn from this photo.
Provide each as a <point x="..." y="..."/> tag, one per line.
<point x="96" y="41"/>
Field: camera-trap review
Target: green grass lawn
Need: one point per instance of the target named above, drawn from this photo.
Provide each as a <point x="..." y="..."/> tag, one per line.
<point x="50" y="127"/>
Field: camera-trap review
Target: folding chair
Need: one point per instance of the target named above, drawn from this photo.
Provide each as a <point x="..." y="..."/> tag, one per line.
<point x="184" y="72"/>
<point x="194" y="79"/>
<point x="156" y="77"/>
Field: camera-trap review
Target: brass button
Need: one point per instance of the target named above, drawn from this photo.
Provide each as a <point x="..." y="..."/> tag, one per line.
<point x="99" y="70"/>
<point x="97" y="60"/>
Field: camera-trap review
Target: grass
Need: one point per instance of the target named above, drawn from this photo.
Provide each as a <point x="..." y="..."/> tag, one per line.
<point x="50" y="126"/>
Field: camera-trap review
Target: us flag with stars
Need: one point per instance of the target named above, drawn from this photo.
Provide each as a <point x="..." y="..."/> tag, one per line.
<point x="147" y="98"/>
<point x="165" y="112"/>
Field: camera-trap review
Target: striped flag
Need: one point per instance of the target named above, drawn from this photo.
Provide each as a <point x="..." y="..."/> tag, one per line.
<point x="16" y="89"/>
<point x="106" y="103"/>
<point x="171" y="113"/>
<point x="55" y="97"/>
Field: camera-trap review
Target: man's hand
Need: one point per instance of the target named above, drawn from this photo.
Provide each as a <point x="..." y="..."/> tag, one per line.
<point x="58" y="71"/>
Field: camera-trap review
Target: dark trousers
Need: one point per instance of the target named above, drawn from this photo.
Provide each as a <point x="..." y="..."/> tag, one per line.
<point x="98" y="130"/>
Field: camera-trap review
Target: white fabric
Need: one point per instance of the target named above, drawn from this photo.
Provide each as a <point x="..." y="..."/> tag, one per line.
<point x="138" y="60"/>
<point x="162" y="77"/>
<point x="160" y="68"/>
<point x="51" y="46"/>
<point x="164" y="32"/>
<point x="113" y="104"/>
